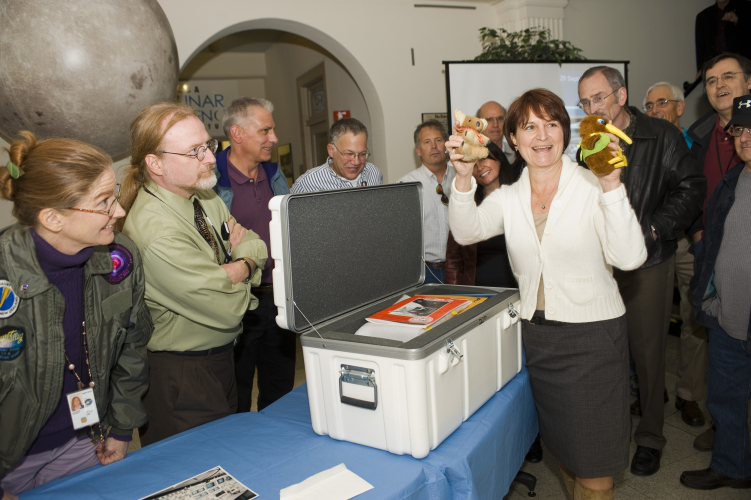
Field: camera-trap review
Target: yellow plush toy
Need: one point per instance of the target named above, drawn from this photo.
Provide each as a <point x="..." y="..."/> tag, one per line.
<point x="474" y="144"/>
<point x="600" y="159"/>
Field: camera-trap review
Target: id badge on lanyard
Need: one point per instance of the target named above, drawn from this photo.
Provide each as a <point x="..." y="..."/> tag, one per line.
<point x="82" y="407"/>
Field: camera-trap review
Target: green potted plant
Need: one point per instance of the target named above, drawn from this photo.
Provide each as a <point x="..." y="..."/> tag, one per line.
<point x="531" y="44"/>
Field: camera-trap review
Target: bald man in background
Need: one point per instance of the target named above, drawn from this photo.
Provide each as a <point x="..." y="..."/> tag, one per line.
<point x="495" y="114"/>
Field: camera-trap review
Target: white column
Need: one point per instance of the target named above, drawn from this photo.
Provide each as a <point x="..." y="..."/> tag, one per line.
<point x="516" y="15"/>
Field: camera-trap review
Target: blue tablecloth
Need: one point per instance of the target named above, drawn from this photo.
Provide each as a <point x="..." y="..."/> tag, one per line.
<point x="276" y="448"/>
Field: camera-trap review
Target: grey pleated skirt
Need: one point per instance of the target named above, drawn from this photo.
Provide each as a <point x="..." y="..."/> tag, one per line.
<point x="579" y="375"/>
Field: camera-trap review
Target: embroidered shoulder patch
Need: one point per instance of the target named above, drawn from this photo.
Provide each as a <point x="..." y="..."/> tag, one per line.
<point x="8" y="299"/>
<point x="12" y="342"/>
<point x="122" y="263"/>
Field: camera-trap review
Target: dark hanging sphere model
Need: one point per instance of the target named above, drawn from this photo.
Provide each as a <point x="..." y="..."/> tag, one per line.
<point x="83" y="68"/>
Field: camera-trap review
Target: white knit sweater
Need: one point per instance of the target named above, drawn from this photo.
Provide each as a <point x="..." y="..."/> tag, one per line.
<point x="587" y="233"/>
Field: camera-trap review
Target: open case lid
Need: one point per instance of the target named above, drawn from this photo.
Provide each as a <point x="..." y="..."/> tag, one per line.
<point x="344" y="249"/>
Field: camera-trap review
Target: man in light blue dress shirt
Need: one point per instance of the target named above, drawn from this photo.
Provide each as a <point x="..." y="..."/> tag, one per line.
<point x="436" y="176"/>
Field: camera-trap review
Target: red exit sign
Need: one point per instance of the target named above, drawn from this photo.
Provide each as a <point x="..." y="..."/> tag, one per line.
<point x="338" y="115"/>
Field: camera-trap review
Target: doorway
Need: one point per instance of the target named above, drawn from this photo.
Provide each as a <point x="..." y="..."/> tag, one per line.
<point x="314" y="113"/>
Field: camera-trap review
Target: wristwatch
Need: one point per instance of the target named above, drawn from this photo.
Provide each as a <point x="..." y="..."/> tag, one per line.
<point x="250" y="269"/>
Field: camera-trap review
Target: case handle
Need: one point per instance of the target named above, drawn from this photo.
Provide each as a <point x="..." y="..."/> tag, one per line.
<point x="358" y="376"/>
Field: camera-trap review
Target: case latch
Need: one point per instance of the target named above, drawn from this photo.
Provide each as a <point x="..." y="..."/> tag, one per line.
<point x="511" y="316"/>
<point x="453" y="352"/>
<point x="511" y="310"/>
<point x="360" y="389"/>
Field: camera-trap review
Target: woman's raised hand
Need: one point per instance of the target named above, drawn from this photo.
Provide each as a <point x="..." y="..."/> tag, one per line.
<point x="613" y="179"/>
<point x="463" y="169"/>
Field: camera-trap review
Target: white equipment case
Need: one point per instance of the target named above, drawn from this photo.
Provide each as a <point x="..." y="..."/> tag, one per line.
<point x="341" y="256"/>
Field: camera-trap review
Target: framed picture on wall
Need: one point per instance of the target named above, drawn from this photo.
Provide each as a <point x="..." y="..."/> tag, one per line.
<point x="284" y="153"/>
<point x="441" y="117"/>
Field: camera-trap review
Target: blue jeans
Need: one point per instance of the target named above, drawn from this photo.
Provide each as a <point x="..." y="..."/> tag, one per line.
<point x="728" y="392"/>
<point x="433" y="275"/>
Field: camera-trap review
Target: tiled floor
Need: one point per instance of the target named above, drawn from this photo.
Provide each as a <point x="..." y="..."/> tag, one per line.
<point x="679" y="455"/>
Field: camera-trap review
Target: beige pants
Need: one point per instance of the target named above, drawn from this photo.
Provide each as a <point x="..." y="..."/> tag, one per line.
<point x="692" y="364"/>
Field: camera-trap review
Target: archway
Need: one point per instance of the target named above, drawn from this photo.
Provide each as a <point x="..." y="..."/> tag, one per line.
<point x="344" y="56"/>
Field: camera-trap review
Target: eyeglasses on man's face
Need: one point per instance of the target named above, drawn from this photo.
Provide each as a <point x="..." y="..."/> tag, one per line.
<point x="110" y="208"/>
<point x="659" y="104"/>
<point x="737" y="130"/>
<point x="495" y="119"/>
<point x="199" y="153"/>
<point x="725" y="77"/>
<point x="350" y="156"/>
<point x="585" y="104"/>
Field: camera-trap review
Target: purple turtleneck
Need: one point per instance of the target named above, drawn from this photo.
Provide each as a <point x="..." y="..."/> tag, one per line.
<point x="66" y="273"/>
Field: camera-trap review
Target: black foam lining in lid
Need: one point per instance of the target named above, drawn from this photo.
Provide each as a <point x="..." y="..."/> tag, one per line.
<point x="351" y="247"/>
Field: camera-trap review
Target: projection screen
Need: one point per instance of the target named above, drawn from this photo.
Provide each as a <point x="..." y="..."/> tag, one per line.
<point x="470" y="84"/>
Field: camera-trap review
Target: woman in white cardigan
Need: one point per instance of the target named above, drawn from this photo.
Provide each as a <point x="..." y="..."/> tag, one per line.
<point x="565" y="231"/>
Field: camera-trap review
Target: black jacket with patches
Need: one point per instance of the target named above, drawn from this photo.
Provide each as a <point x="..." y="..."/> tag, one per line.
<point x="118" y="328"/>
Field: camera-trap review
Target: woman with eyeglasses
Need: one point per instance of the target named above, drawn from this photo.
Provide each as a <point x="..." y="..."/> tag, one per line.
<point x="565" y="230"/>
<point x="72" y="316"/>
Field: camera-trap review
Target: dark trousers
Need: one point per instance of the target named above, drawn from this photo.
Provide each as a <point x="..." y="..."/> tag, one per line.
<point x="187" y="391"/>
<point x="648" y="295"/>
<point x="433" y="275"/>
<point x="728" y="392"/>
<point x="265" y="346"/>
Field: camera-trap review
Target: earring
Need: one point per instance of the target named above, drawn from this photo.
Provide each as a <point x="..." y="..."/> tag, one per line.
<point x="516" y="149"/>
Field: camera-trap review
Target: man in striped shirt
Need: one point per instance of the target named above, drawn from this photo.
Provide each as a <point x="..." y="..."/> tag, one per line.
<point x="347" y="165"/>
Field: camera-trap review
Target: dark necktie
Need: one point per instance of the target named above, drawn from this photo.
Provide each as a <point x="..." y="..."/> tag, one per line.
<point x="203" y="228"/>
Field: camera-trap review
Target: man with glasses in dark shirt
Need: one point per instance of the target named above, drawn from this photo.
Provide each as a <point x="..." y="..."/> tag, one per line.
<point x="726" y="77"/>
<point x="665" y="190"/>
<point x="347" y="165"/>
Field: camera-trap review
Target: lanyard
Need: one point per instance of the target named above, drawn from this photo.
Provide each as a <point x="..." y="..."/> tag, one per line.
<point x="719" y="162"/>
<point x="85" y="348"/>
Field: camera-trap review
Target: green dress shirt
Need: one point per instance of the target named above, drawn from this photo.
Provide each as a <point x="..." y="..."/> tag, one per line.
<point x="193" y="303"/>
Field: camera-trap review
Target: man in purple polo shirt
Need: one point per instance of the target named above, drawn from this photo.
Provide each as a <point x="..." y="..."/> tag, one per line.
<point x="246" y="182"/>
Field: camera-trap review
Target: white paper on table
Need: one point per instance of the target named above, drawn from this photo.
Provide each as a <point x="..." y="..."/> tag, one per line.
<point x="337" y="483"/>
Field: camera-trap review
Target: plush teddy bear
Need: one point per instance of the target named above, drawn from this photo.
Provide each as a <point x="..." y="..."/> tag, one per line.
<point x="600" y="159"/>
<point x="474" y="145"/>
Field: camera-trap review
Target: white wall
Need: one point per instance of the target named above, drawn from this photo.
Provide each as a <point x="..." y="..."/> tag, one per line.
<point x="290" y="57"/>
<point x="373" y="40"/>
<point x="656" y="36"/>
<point x="234" y="65"/>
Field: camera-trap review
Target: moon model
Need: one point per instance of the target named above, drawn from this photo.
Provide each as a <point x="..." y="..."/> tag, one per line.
<point x="83" y="69"/>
